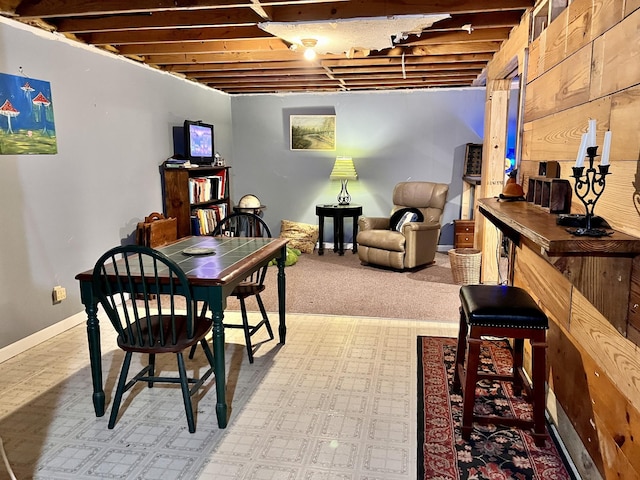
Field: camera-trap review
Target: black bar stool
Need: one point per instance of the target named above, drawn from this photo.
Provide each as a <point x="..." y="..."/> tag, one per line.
<point x="501" y="311"/>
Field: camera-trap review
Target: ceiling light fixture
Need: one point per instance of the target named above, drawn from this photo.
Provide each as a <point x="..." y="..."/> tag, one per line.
<point x="309" y="45"/>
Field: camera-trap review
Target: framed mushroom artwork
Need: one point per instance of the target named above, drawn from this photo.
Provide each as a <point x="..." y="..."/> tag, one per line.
<point x="26" y="116"/>
<point x="313" y="132"/>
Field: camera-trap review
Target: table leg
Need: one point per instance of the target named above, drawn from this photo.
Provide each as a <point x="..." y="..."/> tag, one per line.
<point x="340" y="221"/>
<point x="219" y="368"/>
<point x="95" y="357"/>
<point x="320" y="234"/>
<point x="336" y="234"/>
<point x="354" y="249"/>
<point x="282" y="329"/>
<point x="95" y="353"/>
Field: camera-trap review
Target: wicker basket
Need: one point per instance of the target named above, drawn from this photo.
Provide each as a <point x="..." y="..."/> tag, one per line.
<point x="465" y="265"/>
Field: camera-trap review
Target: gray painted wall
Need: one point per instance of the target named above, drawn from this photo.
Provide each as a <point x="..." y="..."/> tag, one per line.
<point x="114" y="124"/>
<point x="392" y="137"/>
<point x="60" y="212"/>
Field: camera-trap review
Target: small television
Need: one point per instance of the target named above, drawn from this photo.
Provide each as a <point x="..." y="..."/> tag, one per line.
<point x="198" y="142"/>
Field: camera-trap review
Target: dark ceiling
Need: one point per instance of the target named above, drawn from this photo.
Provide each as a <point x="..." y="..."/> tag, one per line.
<point x="218" y="43"/>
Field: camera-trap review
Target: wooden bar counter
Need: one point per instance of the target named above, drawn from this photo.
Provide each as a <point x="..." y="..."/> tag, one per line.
<point x="584" y="285"/>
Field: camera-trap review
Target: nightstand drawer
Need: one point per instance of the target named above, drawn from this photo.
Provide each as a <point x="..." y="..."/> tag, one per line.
<point x="463" y="240"/>
<point x="464" y="226"/>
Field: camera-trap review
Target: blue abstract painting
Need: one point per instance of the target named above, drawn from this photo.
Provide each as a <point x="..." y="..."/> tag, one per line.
<point x="26" y="116"/>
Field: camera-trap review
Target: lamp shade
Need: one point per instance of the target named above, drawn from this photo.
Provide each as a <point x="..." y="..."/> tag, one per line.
<point x="344" y="169"/>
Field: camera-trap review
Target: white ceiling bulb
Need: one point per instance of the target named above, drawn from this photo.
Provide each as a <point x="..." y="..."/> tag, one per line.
<point x="309" y="51"/>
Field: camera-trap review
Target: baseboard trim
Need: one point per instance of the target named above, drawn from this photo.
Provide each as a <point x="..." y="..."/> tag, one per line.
<point x="349" y="246"/>
<point x="45" y="334"/>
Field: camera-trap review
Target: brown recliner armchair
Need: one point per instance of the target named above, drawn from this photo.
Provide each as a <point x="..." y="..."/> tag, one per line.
<point x="390" y="242"/>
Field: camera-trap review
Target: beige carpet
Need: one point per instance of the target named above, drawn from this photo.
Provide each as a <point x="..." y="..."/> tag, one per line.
<point x="339" y="285"/>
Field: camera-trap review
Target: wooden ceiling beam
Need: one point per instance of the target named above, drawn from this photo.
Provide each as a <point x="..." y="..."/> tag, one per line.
<point x="411" y="68"/>
<point x="255" y="73"/>
<point x="174" y="35"/>
<point x="62" y="8"/>
<point x="294" y="64"/>
<point x="160" y="20"/>
<point x="201" y="58"/>
<point x="459" y="36"/>
<point x="456" y="48"/>
<point x="478" y="20"/>
<point x="384" y="8"/>
<point x="427" y="82"/>
<point x="408" y="60"/>
<point x="409" y="76"/>
<point x="255" y="45"/>
<point x="285" y="54"/>
<point x="476" y="67"/>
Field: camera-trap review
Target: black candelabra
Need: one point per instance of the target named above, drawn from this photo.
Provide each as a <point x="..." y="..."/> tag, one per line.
<point x="590" y="184"/>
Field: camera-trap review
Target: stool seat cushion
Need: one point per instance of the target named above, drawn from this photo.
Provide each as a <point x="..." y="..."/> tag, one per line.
<point x="501" y="306"/>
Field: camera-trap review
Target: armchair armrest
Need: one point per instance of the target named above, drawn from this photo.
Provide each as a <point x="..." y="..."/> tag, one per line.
<point x="373" y="223"/>
<point x="419" y="227"/>
<point x="421" y="242"/>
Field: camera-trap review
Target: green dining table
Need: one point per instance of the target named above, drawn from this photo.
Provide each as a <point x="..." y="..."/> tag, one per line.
<point x="222" y="263"/>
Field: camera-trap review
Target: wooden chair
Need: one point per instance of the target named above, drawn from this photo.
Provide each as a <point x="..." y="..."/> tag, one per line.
<point x="150" y="324"/>
<point x="501" y="311"/>
<point x="245" y="224"/>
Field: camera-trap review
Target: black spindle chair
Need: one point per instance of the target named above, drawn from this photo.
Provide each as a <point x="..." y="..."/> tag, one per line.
<point x="245" y="224"/>
<point x="140" y="294"/>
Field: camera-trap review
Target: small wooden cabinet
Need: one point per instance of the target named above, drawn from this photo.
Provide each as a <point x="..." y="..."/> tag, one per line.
<point x="464" y="231"/>
<point x="187" y="190"/>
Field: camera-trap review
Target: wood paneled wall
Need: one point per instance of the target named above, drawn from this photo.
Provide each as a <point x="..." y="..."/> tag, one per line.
<point x="585" y="64"/>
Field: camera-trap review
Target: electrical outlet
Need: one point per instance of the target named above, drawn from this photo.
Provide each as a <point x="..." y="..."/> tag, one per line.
<point x="59" y="294"/>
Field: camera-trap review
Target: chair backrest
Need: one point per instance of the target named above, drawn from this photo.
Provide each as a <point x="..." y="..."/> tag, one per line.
<point x="429" y="197"/>
<point x="242" y="224"/>
<point x="144" y="294"/>
<point x="245" y="224"/>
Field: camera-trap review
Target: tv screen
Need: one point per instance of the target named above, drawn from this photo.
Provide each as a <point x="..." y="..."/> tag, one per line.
<point x="198" y="142"/>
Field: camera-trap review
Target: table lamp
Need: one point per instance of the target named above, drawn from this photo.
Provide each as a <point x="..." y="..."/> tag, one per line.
<point x="344" y="170"/>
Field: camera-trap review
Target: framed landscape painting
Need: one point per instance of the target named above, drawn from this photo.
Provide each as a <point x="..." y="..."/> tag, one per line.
<point x="313" y="132"/>
<point x="26" y="116"/>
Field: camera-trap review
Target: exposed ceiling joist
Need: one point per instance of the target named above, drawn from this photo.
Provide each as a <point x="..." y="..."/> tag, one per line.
<point x="218" y="42"/>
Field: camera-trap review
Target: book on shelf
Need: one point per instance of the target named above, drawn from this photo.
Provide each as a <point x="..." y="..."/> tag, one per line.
<point x="206" y="189"/>
<point x="205" y="220"/>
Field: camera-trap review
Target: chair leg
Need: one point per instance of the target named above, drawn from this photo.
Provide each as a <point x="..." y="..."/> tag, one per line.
<point x="265" y="317"/>
<point x="203" y="313"/>
<point x="186" y="395"/>
<point x="539" y="372"/>
<point x="152" y="367"/>
<point x="208" y="352"/>
<point x="124" y="371"/>
<point x="469" y="391"/>
<point x="246" y="329"/>
<point x="460" y="351"/>
<point x="518" y="349"/>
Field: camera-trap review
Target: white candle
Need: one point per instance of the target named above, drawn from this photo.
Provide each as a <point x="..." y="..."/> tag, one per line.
<point x="591" y="141"/>
<point x="606" y="149"/>
<point x="582" y="151"/>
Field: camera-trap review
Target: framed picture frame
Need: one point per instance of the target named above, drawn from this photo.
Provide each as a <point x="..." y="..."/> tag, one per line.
<point x="312" y="132"/>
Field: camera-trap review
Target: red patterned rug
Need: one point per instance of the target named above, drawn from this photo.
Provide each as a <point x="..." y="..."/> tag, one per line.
<point x="492" y="452"/>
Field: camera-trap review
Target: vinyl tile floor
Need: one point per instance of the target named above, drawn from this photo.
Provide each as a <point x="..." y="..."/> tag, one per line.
<point x="338" y="401"/>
